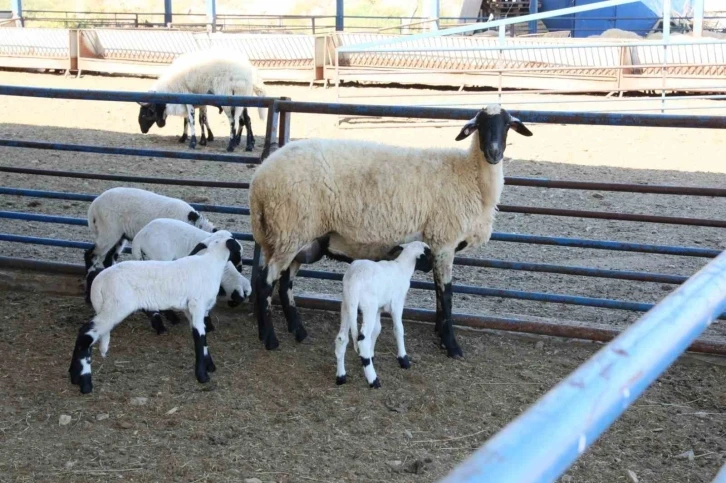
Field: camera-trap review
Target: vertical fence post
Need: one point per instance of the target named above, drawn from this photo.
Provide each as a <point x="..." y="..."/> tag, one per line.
<point x="698" y="7"/>
<point x="284" y="136"/>
<point x="339" y="15"/>
<point x="271" y="143"/>
<point x="212" y="15"/>
<point x="666" y="41"/>
<point x="167" y="13"/>
<point x="533" y="9"/>
<point x="17" y="8"/>
<point x="312" y="24"/>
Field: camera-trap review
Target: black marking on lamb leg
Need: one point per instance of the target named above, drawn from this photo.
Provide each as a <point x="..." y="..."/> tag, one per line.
<point x="90" y="277"/>
<point x="156" y="323"/>
<point x="200" y="362"/>
<point x="361" y="337"/>
<point x="404" y="362"/>
<point x="340" y="380"/>
<point x="376" y="384"/>
<point x="294" y="324"/>
<point x="263" y="294"/>
<point x="82" y="351"/>
<point x="221" y="292"/>
<point x="365" y="361"/>
<point x="171" y="317"/>
<point x="88" y="256"/>
<point x="236" y="299"/>
<point x="208" y="325"/>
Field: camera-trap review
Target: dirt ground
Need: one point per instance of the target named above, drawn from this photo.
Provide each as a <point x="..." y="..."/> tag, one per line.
<point x="278" y="416"/>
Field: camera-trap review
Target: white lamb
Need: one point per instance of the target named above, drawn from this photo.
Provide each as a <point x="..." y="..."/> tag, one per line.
<point x="216" y="71"/>
<point x="168" y="239"/>
<point x="189" y="284"/>
<point x="372" y="287"/>
<point x="118" y="214"/>
<point x="356" y="200"/>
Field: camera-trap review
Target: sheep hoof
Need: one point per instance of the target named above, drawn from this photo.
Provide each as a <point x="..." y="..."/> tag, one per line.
<point x="300" y="334"/>
<point x="404" y="362"/>
<point x="202" y="377"/>
<point x="193" y="142"/>
<point x="171" y="317"/>
<point x="340" y="380"/>
<point x="86" y="384"/>
<point x="203" y="141"/>
<point x="75" y="372"/>
<point x="208" y="326"/>
<point x="376" y="384"/>
<point x="230" y="148"/>
<point x="210" y="138"/>
<point x="183" y="138"/>
<point x="454" y="351"/>
<point x="271" y="343"/>
<point x="249" y="147"/>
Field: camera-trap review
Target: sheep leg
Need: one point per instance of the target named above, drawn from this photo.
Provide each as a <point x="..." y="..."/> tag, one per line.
<point x="88" y="334"/>
<point x="190" y="116"/>
<point x="230" y="111"/>
<point x="365" y="345"/>
<point x="203" y="125"/>
<point x="184" y="135"/>
<point x="208" y="325"/>
<point x="374" y="335"/>
<point x="248" y="124"/>
<point x="443" y="274"/>
<point x="397" y="316"/>
<point x="105" y="251"/>
<point x="203" y="360"/>
<point x="210" y="135"/>
<point x="171" y="316"/>
<point x="348" y="315"/>
<point x="264" y="286"/>
<point x="240" y="127"/>
<point x="287" y="300"/>
<point x="155" y="318"/>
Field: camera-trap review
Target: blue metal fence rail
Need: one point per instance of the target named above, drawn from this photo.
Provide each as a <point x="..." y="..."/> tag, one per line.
<point x="544" y="441"/>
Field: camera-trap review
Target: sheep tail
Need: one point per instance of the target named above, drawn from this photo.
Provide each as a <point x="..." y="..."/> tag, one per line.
<point x="258" y="87"/>
<point x="349" y="312"/>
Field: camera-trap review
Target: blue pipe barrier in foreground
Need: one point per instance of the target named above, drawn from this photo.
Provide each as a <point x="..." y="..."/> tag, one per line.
<point x="544" y="441"/>
<point x="463" y="289"/>
<point x="721" y="476"/>
<point x="149" y="153"/>
<point x="496" y="236"/>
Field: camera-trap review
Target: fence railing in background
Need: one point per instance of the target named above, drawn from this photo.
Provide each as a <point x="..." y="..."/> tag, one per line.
<point x="278" y="130"/>
<point x="544" y="441"/>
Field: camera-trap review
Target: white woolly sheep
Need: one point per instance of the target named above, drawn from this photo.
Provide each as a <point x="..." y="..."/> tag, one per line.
<point x="213" y="71"/>
<point x="371" y="287"/>
<point x="118" y="214"/>
<point x="189" y="284"/>
<point x="167" y="239"/>
<point x="354" y="199"/>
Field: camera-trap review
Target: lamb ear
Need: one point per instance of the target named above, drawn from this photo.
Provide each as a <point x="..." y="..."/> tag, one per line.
<point x="468" y="128"/>
<point x="395" y="251"/>
<point x="198" y="248"/>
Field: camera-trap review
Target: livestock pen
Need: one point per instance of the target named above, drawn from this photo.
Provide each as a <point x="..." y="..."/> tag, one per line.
<point x="50" y="229"/>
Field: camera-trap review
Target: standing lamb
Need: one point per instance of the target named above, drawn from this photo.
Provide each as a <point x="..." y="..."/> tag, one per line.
<point x="189" y="284"/>
<point x="166" y="239"/>
<point x="215" y="71"/>
<point x="371" y="287"/>
<point x="118" y="214"/>
<point x="353" y="199"/>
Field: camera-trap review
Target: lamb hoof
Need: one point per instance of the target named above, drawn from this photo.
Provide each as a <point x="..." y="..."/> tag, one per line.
<point x="404" y="362"/>
<point x="183" y="138"/>
<point x="210" y="138"/>
<point x="454" y="352"/>
<point x="375" y="384"/>
<point x="271" y="343"/>
<point x="75" y="376"/>
<point x="203" y="142"/>
<point x="210" y="364"/>
<point x="202" y="377"/>
<point x="340" y="380"/>
<point x="300" y="334"/>
<point x="209" y="327"/>
<point x="230" y="148"/>
<point x="193" y="142"/>
<point x="171" y="317"/>
<point x="86" y="384"/>
<point x="249" y="147"/>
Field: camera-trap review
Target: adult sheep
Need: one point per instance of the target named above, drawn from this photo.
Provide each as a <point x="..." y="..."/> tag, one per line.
<point x="352" y="199"/>
<point x="214" y="71"/>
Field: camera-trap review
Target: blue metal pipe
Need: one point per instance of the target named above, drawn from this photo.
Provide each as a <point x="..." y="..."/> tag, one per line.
<point x="496" y="236"/>
<point x="339" y="15"/>
<point x="544" y="441"/>
<point x="212" y="14"/>
<point x="150" y="153"/>
<point x="130" y="96"/>
<point x="721" y="476"/>
<point x="167" y="12"/>
<point x="551" y="117"/>
<point x="16" y="7"/>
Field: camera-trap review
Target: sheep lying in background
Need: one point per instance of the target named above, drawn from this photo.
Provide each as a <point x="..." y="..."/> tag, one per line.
<point x="372" y="287"/>
<point x="189" y="284"/>
<point x="118" y="214"/>
<point x="166" y="239"/>
<point x="214" y="71"/>
<point x="354" y="199"/>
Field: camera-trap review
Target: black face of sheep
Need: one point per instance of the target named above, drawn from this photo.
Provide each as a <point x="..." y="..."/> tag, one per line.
<point x="150" y="114"/>
<point x="425" y="261"/>
<point x="235" y="252"/>
<point x="493" y="124"/>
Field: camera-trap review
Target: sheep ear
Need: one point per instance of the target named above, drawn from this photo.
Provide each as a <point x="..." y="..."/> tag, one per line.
<point x="395" y="251"/>
<point x="193" y="216"/>
<point x="215" y="230"/>
<point x="519" y="126"/>
<point x="468" y="128"/>
<point x="198" y="248"/>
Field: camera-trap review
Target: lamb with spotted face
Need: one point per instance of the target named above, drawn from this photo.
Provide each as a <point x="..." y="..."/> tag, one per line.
<point x="190" y="284"/>
<point x="371" y="287"/>
<point x="351" y="200"/>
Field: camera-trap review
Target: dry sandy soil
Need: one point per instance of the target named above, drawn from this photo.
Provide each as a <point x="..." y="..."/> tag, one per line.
<point x="278" y="416"/>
